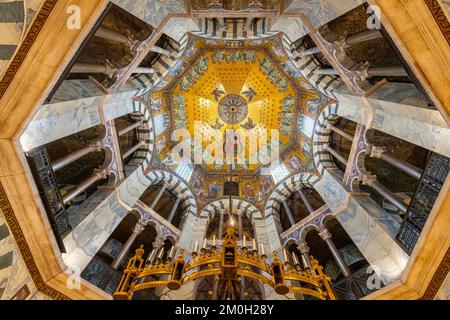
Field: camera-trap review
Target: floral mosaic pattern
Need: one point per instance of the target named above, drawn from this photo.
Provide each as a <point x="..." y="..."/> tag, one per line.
<point x="221" y="56"/>
<point x="273" y="74"/>
<point x="287" y="114"/>
<point x="197" y="71"/>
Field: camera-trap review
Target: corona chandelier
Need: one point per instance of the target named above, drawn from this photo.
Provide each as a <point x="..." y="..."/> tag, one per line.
<point x="227" y="263"/>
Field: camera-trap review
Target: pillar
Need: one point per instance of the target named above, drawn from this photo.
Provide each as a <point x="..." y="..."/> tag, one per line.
<point x="220" y="230"/>
<point x="362" y="36"/>
<point x="340" y="132"/>
<point x="240" y="230"/>
<point x="380" y="153"/>
<point x="305" y="200"/>
<point x="129" y="128"/>
<point x="174" y="209"/>
<point x="144" y="70"/>
<point x="65" y="161"/>
<point x="98" y="175"/>
<point x="288" y="212"/>
<point x="158" y="196"/>
<point x="133" y="149"/>
<point x="106" y="33"/>
<point x="157" y="245"/>
<point x="326" y="236"/>
<point x="160" y="50"/>
<point x="372" y="182"/>
<point x="394" y="71"/>
<point x="126" y="247"/>
<point x="336" y="154"/>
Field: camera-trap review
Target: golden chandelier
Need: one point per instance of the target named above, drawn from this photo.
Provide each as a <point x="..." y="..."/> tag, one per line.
<point x="228" y="264"/>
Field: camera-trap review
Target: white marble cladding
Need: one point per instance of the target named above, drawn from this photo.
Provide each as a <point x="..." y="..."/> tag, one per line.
<point x="153" y="12"/>
<point x="383" y="253"/>
<point x="319" y="12"/>
<point x="400" y="115"/>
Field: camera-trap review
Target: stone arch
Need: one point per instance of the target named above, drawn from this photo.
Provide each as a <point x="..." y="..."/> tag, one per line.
<point x="176" y="185"/>
<point x="306" y="65"/>
<point x="321" y="137"/>
<point x="285" y="188"/>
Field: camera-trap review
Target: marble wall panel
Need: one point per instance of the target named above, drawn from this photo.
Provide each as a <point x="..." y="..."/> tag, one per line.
<point x="377" y="246"/>
<point x="319" y="12"/>
<point x="13" y="273"/>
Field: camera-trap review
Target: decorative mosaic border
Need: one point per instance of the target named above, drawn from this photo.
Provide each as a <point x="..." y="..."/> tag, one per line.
<point x="438" y="278"/>
<point x="25" y="46"/>
<point x="440" y="18"/>
<point x="21" y="243"/>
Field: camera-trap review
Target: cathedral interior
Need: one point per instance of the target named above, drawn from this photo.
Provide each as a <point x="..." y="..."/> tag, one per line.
<point x="224" y="150"/>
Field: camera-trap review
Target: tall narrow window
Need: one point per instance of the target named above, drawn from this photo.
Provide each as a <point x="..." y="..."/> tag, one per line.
<point x="160" y="124"/>
<point x="306" y="125"/>
<point x="279" y="172"/>
<point x="184" y="170"/>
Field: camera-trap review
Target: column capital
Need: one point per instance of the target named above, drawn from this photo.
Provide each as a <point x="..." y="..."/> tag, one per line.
<point x="302" y="246"/>
<point x="100" y="173"/>
<point x="376" y="151"/>
<point x="325" y="234"/>
<point x="158" y="243"/>
<point x="111" y="69"/>
<point x="140" y="226"/>
<point x="96" y="145"/>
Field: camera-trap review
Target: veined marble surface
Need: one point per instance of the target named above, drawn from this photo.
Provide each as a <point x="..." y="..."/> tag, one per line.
<point x="319" y="12"/>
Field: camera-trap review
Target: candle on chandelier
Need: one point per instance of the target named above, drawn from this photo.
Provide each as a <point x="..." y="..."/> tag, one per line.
<point x="254" y="245"/>
<point x="204" y="244"/>
<point x="196" y="246"/>
<point x="262" y="250"/>
<point x="244" y="242"/>
<point x="214" y="241"/>
<point x="152" y="255"/>
<point x="294" y="256"/>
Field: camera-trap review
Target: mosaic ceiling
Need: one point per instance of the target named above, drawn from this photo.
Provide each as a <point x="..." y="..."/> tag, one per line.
<point x="250" y="86"/>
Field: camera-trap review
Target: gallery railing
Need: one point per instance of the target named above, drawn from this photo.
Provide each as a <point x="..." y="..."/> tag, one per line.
<point x="430" y="185"/>
<point x="47" y="185"/>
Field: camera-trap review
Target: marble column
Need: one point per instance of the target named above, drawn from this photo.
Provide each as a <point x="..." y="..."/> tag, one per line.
<point x="130" y="127"/>
<point x="394" y="71"/>
<point x="107" y="68"/>
<point x="174" y="209"/>
<point x="303" y="247"/>
<point x="160" y="50"/>
<point x="72" y="157"/>
<point x="106" y="33"/>
<point x="288" y="212"/>
<point x="380" y="153"/>
<point x="309" y="52"/>
<point x="336" y="154"/>
<point x="340" y="132"/>
<point x="158" y="197"/>
<point x="133" y="149"/>
<point x="140" y="226"/>
<point x="157" y="245"/>
<point x="372" y="182"/>
<point x="362" y="36"/>
<point x="326" y="236"/>
<point x="305" y="200"/>
<point x="99" y="174"/>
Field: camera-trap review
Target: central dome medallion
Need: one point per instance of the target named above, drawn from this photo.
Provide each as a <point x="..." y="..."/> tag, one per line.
<point x="233" y="109"/>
